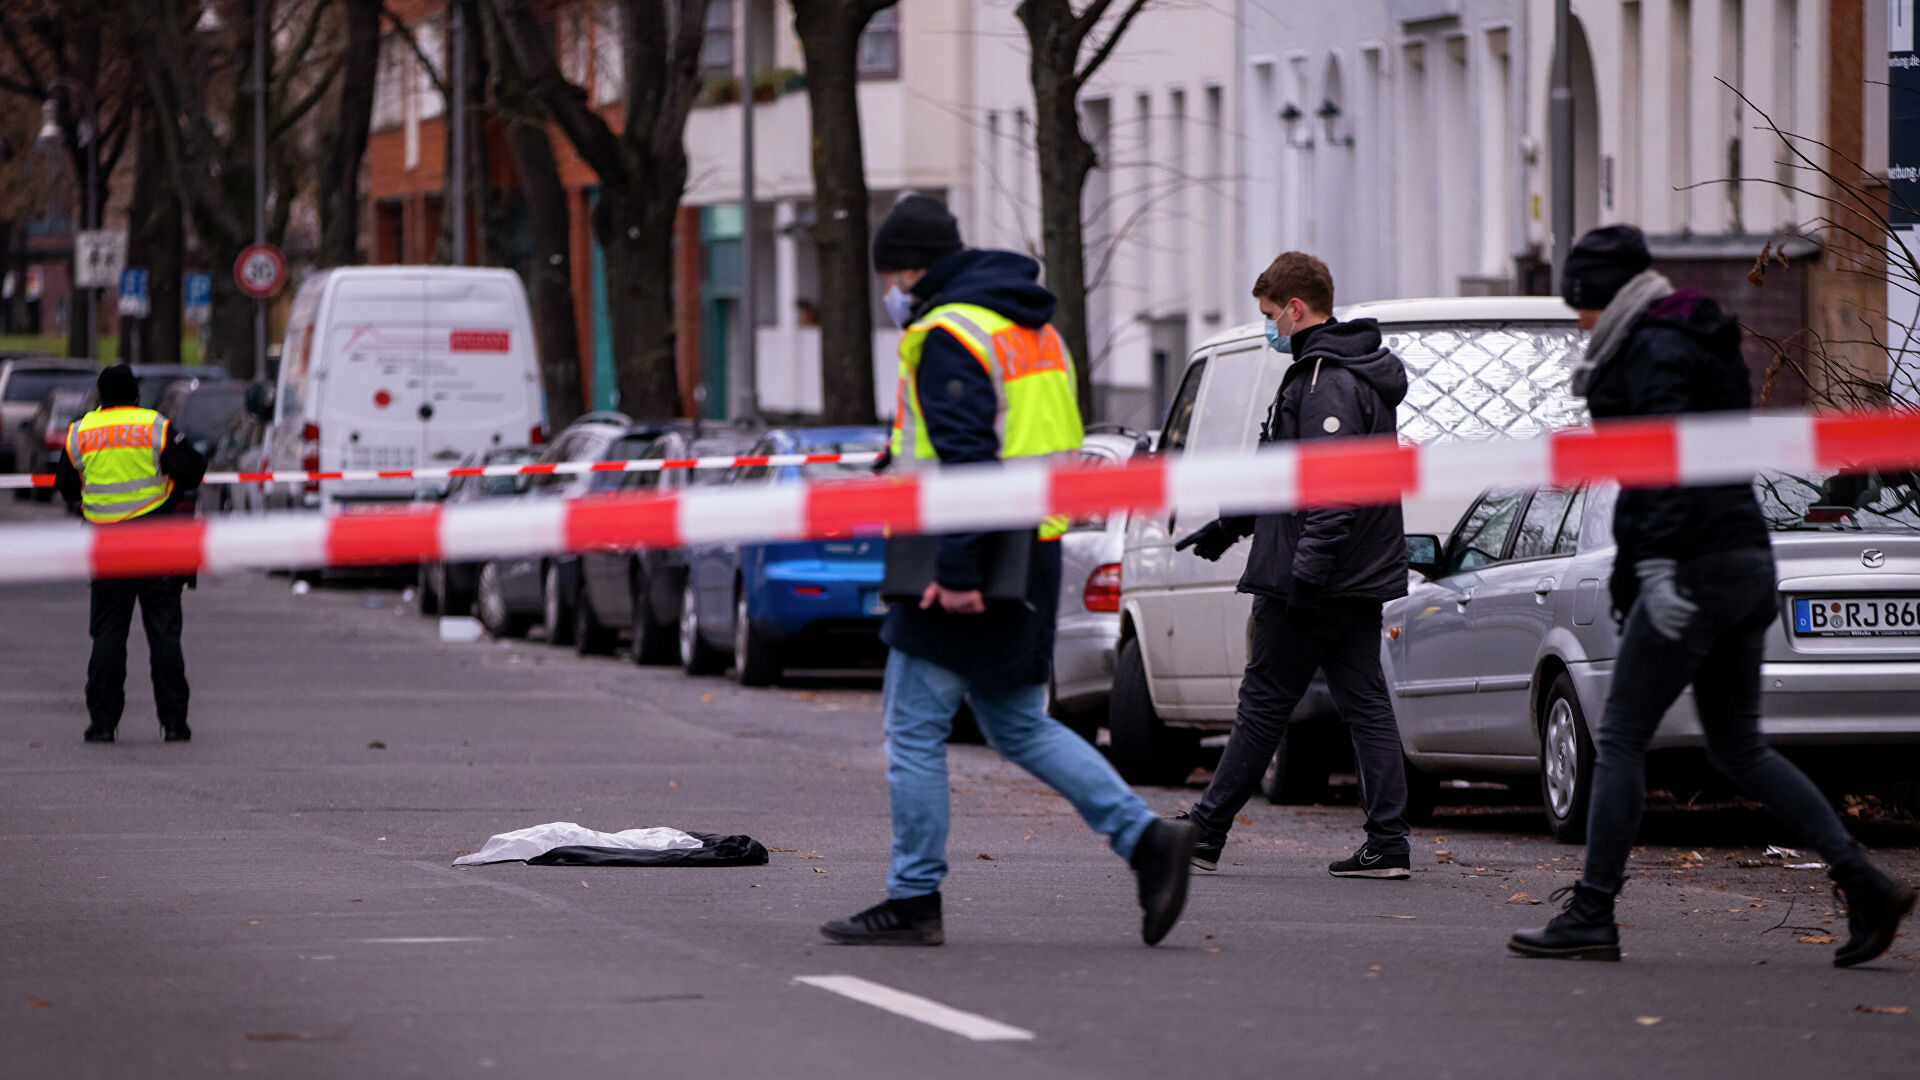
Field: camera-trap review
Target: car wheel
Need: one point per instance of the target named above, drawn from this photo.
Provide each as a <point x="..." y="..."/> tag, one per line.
<point x="1566" y="763"/>
<point x="1297" y="775"/>
<point x="589" y="637"/>
<point x="1145" y="749"/>
<point x="653" y="640"/>
<point x="1423" y="795"/>
<point x="1084" y="722"/>
<point x="756" y="661"/>
<point x="696" y="656"/>
<point x="454" y="599"/>
<point x="491" y="599"/>
<point x="557" y="616"/>
<point x="424" y="591"/>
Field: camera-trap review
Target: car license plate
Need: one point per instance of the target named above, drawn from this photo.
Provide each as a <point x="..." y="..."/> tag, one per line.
<point x="1857" y="616"/>
<point x="871" y="603"/>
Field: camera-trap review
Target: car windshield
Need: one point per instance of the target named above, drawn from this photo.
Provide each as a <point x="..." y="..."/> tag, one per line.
<point x="1841" y="502"/>
<point x="34" y="384"/>
<point x="714" y="448"/>
<point x="205" y="411"/>
<point x="838" y="470"/>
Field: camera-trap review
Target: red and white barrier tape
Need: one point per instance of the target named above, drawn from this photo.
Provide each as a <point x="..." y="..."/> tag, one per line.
<point x="561" y="468"/>
<point x="1640" y="453"/>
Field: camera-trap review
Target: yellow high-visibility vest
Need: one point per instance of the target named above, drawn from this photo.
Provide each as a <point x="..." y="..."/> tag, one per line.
<point x="117" y="451"/>
<point x="1038" y="412"/>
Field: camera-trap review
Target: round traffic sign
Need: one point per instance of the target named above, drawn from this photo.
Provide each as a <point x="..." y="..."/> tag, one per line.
<point x="260" y="271"/>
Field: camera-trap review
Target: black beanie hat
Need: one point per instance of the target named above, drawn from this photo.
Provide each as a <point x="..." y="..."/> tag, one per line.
<point x="915" y="235"/>
<point x="1601" y="263"/>
<point x="118" y="386"/>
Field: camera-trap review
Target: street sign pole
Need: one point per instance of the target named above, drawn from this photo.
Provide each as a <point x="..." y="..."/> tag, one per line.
<point x="741" y="387"/>
<point x="260" y="15"/>
<point x="1560" y="132"/>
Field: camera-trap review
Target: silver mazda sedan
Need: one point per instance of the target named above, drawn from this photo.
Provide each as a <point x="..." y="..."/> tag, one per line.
<point x="1499" y="658"/>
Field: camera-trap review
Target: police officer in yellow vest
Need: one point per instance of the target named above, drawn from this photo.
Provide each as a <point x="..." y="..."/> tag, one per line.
<point x="122" y="463"/>
<point x="984" y="377"/>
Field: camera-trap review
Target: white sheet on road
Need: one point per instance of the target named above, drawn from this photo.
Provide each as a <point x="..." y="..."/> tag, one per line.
<point x="523" y="844"/>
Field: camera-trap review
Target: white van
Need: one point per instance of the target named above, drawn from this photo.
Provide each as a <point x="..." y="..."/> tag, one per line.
<point x="1478" y="368"/>
<point x="401" y="367"/>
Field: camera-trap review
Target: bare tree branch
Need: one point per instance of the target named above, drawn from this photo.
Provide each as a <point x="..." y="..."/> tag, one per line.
<point x="1105" y="49"/>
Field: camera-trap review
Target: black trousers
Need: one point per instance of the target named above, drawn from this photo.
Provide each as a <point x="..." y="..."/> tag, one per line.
<point x="1344" y="642"/>
<point x="1719" y="655"/>
<point x="112" y="615"/>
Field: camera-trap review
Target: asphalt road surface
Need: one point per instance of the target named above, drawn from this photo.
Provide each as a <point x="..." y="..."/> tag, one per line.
<point x="276" y="897"/>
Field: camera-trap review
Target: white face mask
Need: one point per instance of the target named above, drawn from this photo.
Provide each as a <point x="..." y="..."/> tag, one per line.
<point x="899" y="306"/>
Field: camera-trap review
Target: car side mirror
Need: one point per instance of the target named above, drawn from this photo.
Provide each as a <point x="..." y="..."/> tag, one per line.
<point x="260" y="401"/>
<point x="1423" y="554"/>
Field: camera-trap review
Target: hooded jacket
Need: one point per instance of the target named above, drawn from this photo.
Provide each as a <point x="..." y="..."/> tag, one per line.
<point x="1011" y="643"/>
<point x="1682" y="357"/>
<point x="1345" y="384"/>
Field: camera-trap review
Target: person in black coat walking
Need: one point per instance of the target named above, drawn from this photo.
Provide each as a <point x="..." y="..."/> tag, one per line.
<point x="1318" y="577"/>
<point x="1694" y="586"/>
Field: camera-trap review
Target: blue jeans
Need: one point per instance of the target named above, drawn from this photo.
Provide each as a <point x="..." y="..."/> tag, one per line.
<point x="919" y="702"/>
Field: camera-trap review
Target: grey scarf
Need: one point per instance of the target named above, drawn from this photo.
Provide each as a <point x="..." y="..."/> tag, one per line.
<point x="1646" y="289"/>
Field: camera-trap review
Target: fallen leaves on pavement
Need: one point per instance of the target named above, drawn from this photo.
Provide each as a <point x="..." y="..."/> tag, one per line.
<point x="39" y="1003"/>
<point x="1815" y="939"/>
<point x="1883" y="1010"/>
<point x="1522" y="898"/>
<point x="1646" y="1021"/>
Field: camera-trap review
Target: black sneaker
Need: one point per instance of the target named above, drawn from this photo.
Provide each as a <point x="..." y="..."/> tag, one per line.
<point x="1205" y="856"/>
<point x="1368" y="862"/>
<point x="1162" y="861"/>
<point x="913" y="921"/>
<point x="178" y="733"/>
<point x="96" y="733"/>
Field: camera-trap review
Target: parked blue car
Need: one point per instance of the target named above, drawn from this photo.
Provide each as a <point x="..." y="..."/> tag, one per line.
<point x="811" y="603"/>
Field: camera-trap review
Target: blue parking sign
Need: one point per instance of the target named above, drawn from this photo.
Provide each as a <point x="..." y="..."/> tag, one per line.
<point x="134" y="300"/>
<point x="197" y="293"/>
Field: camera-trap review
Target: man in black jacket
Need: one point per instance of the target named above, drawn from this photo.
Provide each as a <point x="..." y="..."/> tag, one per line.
<point x="1318" y="577"/>
<point x="1694" y="577"/>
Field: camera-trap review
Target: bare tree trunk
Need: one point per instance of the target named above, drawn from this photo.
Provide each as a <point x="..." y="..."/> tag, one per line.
<point x="829" y="32"/>
<point x="1066" y="158"/>
<point x="642" y="173"/>
<point x="155" y="241"/>
<point x="347" y="146"/>
<point x="636" y="239"/>
<point x="1056" y="36"/>
<point x="548" y="273"/>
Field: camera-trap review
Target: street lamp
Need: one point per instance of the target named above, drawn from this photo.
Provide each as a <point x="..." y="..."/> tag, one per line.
<point x="90" y="206"/>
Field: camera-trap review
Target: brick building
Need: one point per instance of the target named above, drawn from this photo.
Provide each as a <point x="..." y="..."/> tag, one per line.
<point x="912" y="75"/>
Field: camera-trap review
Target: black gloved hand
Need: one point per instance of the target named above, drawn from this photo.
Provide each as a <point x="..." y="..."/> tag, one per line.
<point x="1210" y="541"/>
<point x="1304" y="606"/>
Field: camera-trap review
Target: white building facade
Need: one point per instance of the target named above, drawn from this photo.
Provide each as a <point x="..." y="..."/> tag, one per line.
<point x="914" y="83"/>
<point x="1386" y="137"/>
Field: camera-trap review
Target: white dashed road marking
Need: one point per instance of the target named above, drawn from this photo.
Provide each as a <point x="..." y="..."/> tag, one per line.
<point x="914" y="1007"/>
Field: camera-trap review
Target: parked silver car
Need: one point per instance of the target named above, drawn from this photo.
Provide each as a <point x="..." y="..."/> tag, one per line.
<point x="1088" y="626"/>
<point x="1499" y="660"/>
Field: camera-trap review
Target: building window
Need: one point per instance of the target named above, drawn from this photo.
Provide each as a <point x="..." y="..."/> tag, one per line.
<point x="880" y="46"/>
<point x="390" y="85"/>
<point x="609" y="56"/>
<point x="716" y="48"/>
